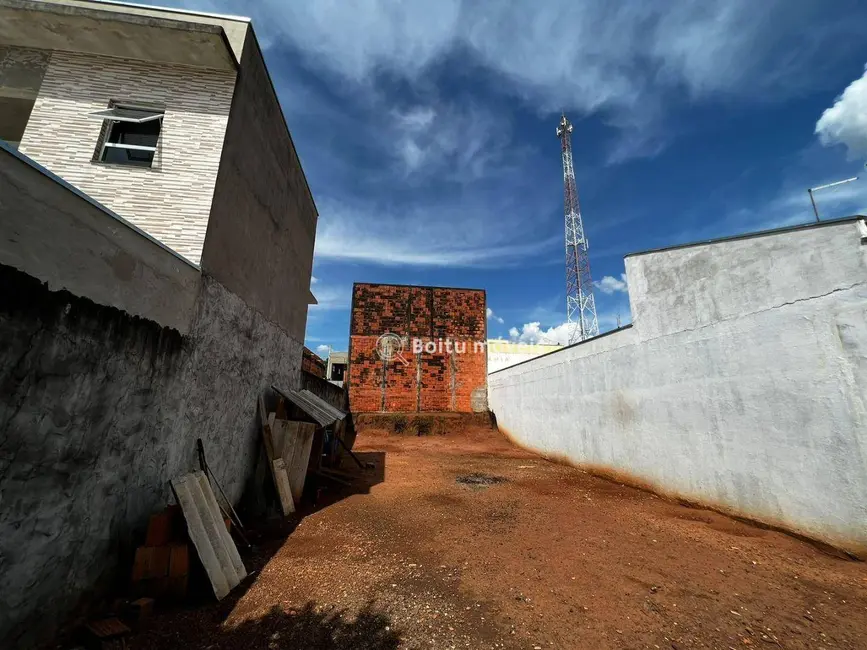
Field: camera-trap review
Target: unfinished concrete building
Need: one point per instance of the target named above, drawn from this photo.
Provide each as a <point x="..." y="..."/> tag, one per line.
<point x="436" y="361"/>
<point x="156" y="245"/>
<point x="335" y="371"/>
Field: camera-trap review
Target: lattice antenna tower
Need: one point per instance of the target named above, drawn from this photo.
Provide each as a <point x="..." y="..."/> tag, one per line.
<point x="580" y="304"/>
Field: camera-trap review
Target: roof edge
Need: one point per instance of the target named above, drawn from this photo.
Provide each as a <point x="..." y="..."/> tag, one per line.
<point x="623" y="328"/>
<point x="188" y="12"/>
<point x="750" y="235"/>
<point x="415" y="286"/>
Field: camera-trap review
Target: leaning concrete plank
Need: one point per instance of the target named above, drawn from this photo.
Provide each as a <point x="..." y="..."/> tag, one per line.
<point x="223" y="532"/>
<point x="204" y="523"/>
<point x="284" y="490"/>
<point x="300" y="458"/>
<point x="183" y="488"/>
<point x="211" y="529"/>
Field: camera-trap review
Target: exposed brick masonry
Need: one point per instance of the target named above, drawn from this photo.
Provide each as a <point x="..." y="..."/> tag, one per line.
<point x="438" y="381"/>
<point x="312" y="363"/>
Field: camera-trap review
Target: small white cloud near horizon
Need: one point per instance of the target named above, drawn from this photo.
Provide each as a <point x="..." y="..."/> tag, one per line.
<point x="492" y="316"/>
<point x="534" y="334"/>
<point x="323" y="350"/>
<point x="609" y="284"/>
<point x="846" y="121"/>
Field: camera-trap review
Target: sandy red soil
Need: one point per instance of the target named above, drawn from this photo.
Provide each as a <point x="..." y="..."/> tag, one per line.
<point x="548" y="557"/>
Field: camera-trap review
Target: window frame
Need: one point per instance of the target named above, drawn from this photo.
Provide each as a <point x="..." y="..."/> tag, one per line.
<point x="108" y="124"/>
<point x="342" y="367"/>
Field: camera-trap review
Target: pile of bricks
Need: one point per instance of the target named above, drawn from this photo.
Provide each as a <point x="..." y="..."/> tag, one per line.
<point x="449" y="375"/>
<point x="162" y="566"/>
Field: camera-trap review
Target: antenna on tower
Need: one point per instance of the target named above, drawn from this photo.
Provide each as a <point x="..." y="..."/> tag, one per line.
<point x="580" y="304"/>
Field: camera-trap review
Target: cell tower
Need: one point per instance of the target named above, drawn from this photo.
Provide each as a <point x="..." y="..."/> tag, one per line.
<point x="580" y="304"/>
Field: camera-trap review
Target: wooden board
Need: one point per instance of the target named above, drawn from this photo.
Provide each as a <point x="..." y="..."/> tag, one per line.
<point x="279" y="435"/>
<point x="206" y="529"/>
<point x="279" y="476"/>
<point x="296" y="454"/>
<point x="266" y="428"/>
<point x="284" y="489"/>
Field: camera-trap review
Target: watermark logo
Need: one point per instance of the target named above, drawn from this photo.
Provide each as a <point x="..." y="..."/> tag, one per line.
<point x="389" y="347"/>
<point x="392" y="347"/>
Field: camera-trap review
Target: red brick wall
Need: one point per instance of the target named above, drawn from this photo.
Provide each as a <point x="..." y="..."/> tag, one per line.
<point x="427" y="381"/>
<point x="312" y="363"/>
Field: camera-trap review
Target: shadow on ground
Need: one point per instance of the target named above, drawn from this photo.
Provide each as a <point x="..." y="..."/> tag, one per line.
<point x="201" y="623"/>
<point x="306" y="628"/>
<point x="323" y="491"/>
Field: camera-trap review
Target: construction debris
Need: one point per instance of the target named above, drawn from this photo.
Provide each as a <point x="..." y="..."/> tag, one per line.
<point x="288" y="444"/>
<point x="161" y="567"/>
<point x="296" y="446"/>
<point x="231" y="516"/>
<point x="321" y="411"/>
<point x="140" y="610"/>
<point x="207" y="530"/>
<point x="106" y="634"/>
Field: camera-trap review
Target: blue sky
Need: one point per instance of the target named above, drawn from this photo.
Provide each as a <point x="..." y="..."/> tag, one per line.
<point x="427" y="133"/>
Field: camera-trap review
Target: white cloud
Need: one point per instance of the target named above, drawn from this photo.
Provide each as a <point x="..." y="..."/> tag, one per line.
<point x="331" y="297"/>
<point x="430" y="192"/>
<point x="492" y="316"/>
<point x="313" y="279"/>
<point x="449" y="234"/>
<point x="323" y="350"/>
<point x="533" y="333"/>
<point x="589" y="53"/>
<point x="609" y="284"/>
<point x="846" y="121"/>
<point x="559" y="334"/>
<point x="460" y="142"/>
<point x="626" y="60"/>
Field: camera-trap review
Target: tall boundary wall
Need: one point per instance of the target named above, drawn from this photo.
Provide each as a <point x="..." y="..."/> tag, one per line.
<point x="739" y="386"/>
<point x="117" y="355"/>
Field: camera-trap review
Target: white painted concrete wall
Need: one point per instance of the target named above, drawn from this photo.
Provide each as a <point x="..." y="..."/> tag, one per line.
<point x="63" y="238"/>
<point x="170" y="201"/>
<point x="740" y="384"/>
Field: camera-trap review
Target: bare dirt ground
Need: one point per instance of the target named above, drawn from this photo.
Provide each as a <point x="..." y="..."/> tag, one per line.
<point x="470" y="542"/>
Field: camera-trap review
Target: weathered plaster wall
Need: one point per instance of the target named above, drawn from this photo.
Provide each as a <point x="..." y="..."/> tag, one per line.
<point x="98" y="411"/>
<point x="263" y="219"/>
<point x="21" y="72"/>
<point x="171" y="200"/>
<point x="740" y="384"/>
<point x="111" y="370"/>
<point x="62" y="237"/>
